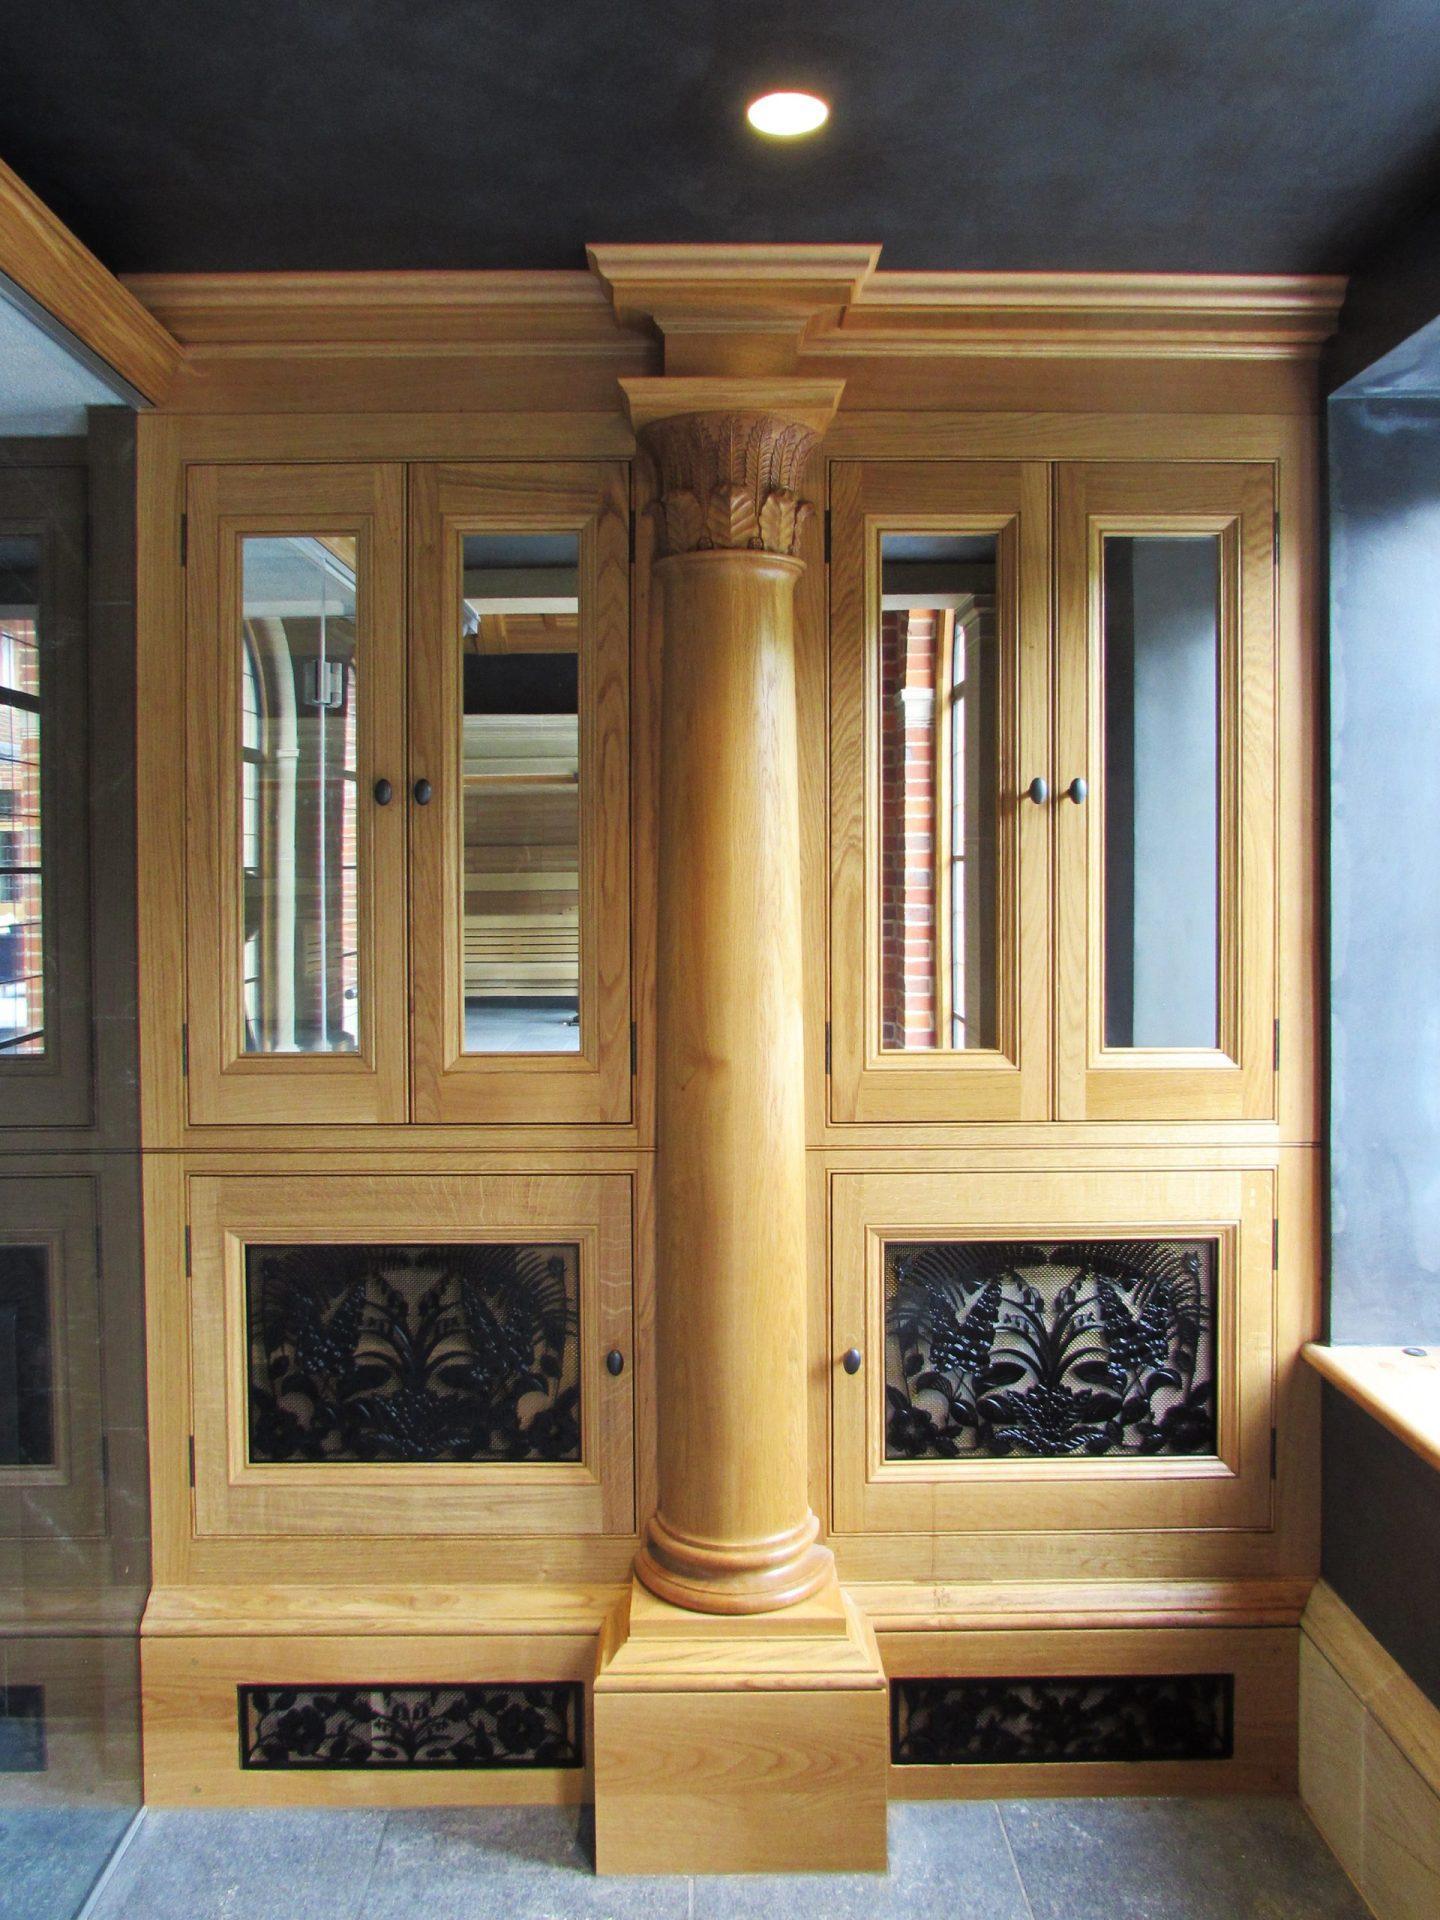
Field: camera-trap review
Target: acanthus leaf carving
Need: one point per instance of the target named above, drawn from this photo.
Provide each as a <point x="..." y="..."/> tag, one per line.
<point x="727" y="481"/>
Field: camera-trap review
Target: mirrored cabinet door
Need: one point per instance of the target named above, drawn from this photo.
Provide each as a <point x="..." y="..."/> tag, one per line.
<point x="940" y="906"/>
<point x="519" y="803"/>
<point x="296" y="794"/>
<point x="1164" y="810"/>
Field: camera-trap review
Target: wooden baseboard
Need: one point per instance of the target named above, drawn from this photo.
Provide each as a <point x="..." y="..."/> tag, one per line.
<point x="200" y="1644"/>
<point x="1369" y="1761"/>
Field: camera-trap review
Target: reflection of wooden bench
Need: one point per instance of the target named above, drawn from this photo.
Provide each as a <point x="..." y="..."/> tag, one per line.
<point x="522" y="937"/>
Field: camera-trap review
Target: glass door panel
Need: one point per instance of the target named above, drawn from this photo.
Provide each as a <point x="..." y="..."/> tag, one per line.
<point x="520" y="843"/>
<point x="1164" y="829"/>
<point x="940" y="674"/>
<point x="297" y="872"/>
<point x="44" y="777"/>
<point x="520" y="696"/>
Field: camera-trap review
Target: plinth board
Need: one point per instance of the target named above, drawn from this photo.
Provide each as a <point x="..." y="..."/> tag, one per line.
<point x="725" y="1751"/>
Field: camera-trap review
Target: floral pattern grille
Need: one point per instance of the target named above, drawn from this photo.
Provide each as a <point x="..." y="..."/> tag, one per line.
<point x="997" y="1349"/>
<point x="346" y="1728"/>
<point x="413" y="1353"/>
<point x="1185" y="1716"/>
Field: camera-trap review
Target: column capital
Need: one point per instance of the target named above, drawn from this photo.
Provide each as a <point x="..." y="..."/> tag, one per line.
<point x="729" y="453"/>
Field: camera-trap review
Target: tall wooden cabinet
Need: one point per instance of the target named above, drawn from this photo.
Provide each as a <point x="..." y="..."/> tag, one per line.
<point x="400" y="693"/>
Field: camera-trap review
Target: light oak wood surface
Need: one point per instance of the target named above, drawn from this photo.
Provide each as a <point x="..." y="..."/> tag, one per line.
<point x="1401" y="1389"/>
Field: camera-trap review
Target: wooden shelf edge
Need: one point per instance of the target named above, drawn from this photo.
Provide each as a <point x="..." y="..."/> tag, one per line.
<point x="1400" y="1389"/>
<point x="226" y="1612"/>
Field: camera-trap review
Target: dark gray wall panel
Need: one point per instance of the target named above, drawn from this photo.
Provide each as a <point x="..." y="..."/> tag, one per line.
<point x="1382" y="1536"/>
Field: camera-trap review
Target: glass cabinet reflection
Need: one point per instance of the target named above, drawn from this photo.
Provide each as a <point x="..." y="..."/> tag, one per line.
<point x="298" y="818"/>
<point x="22" y="941"/>
<point x="520" y="841"/>
<point x="1161" y="789"/>
<point x="939" y="790"/>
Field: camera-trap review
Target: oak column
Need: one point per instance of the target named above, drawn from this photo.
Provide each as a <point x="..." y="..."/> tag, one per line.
<point x="734" y="1532"/>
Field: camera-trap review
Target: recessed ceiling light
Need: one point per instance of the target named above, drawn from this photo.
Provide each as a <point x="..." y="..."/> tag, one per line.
<point x="787" y="115"/>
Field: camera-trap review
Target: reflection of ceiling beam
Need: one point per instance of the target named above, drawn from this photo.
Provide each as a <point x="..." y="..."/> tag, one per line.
<point x="523" y="631"/>
<point x="489" y="586"/>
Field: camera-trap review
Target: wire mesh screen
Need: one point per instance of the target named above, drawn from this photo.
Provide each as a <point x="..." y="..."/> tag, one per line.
<point x="1056" y="1349"/>
<point x="413" y="1353"/>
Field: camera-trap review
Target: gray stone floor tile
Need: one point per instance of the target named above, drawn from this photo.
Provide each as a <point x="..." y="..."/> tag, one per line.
<point x="507" y="1863"/>
<point x="1223" y="1859"/>
<point x="50" y="1857"/>
<point x="948" y="1861"/>
<point x="244" y="1866"/>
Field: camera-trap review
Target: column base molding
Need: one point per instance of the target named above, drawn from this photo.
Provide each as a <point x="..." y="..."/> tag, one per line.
<point x="755" y="1744"/>
<point x="706" y="1578"/>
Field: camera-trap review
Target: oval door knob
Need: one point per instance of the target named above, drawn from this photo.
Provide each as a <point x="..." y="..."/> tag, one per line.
<point x="1038" y="791"/>
<point x="384" y="793"/>
<point x="423" y="791"/>
<point x="615" y="1362"/>
<point x="1077" y="791"/>
<point x="851" y="1360"/>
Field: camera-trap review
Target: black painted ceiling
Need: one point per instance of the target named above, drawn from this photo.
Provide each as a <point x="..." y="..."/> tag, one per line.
<point x="1225" y="135"/>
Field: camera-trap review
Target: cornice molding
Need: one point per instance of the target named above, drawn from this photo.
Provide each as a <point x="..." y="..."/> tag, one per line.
<point x="826" y="304"/>
<point x="41" y="255"/>
<point x="1155" y="314"/>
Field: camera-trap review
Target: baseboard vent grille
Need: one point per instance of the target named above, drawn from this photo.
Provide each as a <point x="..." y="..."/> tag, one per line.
<point x="470" y="1727"/>
<point x="1123" y="1717"/>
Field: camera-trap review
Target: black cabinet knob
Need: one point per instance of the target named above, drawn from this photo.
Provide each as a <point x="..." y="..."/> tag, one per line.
<point x="384" y="793"/>
<point x="1077" y="791"/>
<point x="1038" y="791"/>
<point x="423" y="791"/>
<point x="615" y="1362"/>
<point x="851" y="1360"/>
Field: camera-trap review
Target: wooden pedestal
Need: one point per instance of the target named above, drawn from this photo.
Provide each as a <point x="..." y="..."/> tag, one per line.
<point x="739" y="1744"/>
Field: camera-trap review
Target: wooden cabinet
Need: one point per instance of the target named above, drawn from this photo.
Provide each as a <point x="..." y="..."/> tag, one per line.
<point x="1052" y="1351"/>
<point x="407" y="825"/>
<point x="1053" y="791"/>
<point x="411" y="1354"/>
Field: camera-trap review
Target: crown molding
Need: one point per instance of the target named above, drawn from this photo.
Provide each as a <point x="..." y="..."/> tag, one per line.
<point x="45" y="260"/>
<point x="1106" y="314"/>
<point x="740" y="310"/>
<point x="380" y="310"/>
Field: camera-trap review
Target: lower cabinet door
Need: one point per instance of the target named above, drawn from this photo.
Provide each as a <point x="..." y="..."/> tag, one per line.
<point x="1052" y="1351"/>
<point x="412" y="1354"/>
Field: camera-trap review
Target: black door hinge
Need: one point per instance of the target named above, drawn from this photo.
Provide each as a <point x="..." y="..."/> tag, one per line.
<point x="632" y="536"/>
<point x="184" y="539"/>
<point x="1274" y="1452"/>
<point x="1277" y="1046"/>
<point x="1277" y="539"/>
<point x="187" y="1253"/>
<point x="104" y="1459"/>
<point x="185" y="1050"/>
<point x="827" y="536"/>
<point x="827" y="1049"/>
<point x="192" y="1459"/>
<point x="634" y="1051"/>
<point x="1275" y="1245"/>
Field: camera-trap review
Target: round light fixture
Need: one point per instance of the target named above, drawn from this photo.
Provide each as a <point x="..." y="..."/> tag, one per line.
<point x="787" y="115"/>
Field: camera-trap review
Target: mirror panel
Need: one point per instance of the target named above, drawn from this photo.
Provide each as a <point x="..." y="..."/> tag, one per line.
<point x="298" y="805"/>
<point x="939" y="791"/>
<point x="22" y="895"/>
<point x="521" y="844"/>
<point x="1161" y="789"/>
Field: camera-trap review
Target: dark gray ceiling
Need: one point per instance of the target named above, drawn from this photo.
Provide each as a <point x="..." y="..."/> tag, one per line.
<point x="1245" y="135"/>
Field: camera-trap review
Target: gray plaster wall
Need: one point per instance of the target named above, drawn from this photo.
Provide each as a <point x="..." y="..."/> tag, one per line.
<point x="1385" y="870"/>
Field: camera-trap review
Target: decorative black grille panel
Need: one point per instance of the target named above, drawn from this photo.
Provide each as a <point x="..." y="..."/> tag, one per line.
<point x="1184" y="1716"/>
<point x="1068" y="1348"/>
<point x="22" y="1729"/>
<point x="27" y="1427"/>
<point x="346" y="1728"/>
<point x="413" y="1353"/>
